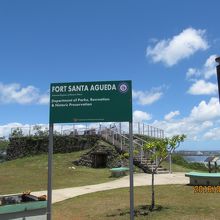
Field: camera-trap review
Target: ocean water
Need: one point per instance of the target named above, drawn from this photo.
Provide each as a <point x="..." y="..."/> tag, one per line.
<point x="198" y="159"/>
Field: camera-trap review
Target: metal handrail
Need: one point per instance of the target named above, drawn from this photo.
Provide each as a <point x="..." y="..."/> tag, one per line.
<point x="140" y="145"/>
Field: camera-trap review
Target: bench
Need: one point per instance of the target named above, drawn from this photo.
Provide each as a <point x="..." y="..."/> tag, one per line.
<point x="22" y="210"/>
<point x="203" y="179"/>
<point x="119" y="171"/>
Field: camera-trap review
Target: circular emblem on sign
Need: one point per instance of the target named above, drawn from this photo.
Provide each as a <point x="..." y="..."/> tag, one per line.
<point x="123" y="87"/>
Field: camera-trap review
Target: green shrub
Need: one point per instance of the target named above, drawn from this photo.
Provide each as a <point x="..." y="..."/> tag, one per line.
<point x="3" y="144"/>
<point x="178" y="159"/>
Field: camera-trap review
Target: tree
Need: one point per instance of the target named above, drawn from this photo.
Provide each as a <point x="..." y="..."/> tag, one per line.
<point x="160" y="149"/>
<point x="3" y="144"/>
<point x="38" y="131"/>
<point x="17" y="132"/>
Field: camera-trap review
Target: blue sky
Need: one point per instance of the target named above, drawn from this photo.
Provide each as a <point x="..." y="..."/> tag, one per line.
<point x="167" y="48"/>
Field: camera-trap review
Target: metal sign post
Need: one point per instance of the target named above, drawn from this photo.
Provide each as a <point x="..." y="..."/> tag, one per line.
<point x="131" y="168"/>
<point x="50" y="171"/>
<point x="218" y="74"/>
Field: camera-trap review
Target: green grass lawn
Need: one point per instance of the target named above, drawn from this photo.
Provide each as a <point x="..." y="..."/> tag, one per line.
<point x="178" y="202"/>
<point x="30" y="173"/>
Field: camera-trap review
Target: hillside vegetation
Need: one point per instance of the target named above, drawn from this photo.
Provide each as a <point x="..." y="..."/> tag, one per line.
<point x="30" y="173"/>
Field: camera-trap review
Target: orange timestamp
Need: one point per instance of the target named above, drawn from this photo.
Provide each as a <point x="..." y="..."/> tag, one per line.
<point x="206" y="189"/>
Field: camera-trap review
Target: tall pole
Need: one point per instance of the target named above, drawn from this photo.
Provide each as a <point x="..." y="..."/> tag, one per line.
<point x="218" y="74"/>
<point x="50" y="170"/>
<point x="131" y="167"/>
<point x="170" y="162"/>
<point x="120" y="134"/>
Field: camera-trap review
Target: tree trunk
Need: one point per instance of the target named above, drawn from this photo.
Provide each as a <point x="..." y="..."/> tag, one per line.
<point x="152" y="191"/>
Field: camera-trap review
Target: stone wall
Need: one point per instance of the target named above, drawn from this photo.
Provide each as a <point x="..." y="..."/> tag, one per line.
<point x="34" y="145"/>
<point x="113" y="158"/>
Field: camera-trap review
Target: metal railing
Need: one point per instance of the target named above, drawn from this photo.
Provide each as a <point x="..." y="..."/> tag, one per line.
<point x="121" y="141"/>
<point x="82" y="129"/>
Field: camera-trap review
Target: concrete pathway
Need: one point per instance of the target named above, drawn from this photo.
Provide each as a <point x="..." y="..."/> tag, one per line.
<point x="140" y="179"/>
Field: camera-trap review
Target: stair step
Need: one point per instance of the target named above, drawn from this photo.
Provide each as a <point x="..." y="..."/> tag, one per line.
<point x="163" y="172"/>
<point x="161" y="169"/>
<point x="141" y="160"/>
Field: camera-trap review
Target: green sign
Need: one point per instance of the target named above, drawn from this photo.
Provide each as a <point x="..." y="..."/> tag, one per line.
<point x="109" y="101"/>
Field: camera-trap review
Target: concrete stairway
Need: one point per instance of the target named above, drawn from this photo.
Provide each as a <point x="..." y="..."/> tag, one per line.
<point x="149" y="165"/>
<point x="121" y="143"/>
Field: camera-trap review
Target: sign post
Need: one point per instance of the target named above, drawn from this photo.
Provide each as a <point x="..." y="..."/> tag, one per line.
<point x="50" y="171"/>
<point x="102" y="101"/>
<point x="131" y="167"/>
<point x="218" y="75"/>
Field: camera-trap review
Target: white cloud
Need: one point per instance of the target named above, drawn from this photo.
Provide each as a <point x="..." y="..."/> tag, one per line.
<point x="202" y="87"/>
<point x="210" y="67"/>
<point x="147" y="97"/>
<point x="44" y="99"/>
<point x="206" y="111"/>
<point x="171" y="115"/>
<point x="186" y="126"/>
<point x="181" y="46"/>
<point x="140" y="116"/>
<point x="5" y="130"/>
<point x="207" y="71"/>
<point x="201" y="118"/>
<point x="192" y="72"/>
<point x="212" y="134"/>
<point x="14" y="93"/>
